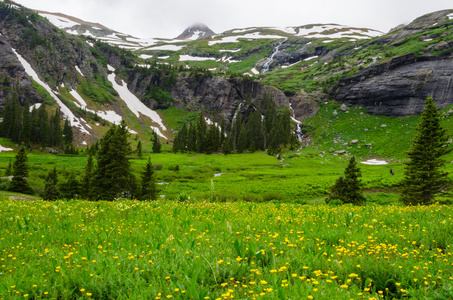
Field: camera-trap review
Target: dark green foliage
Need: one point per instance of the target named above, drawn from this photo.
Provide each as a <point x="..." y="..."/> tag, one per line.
<point x="252" y="133"/>
<point x="9" y="169"/>
<point x="423" y="177"/>
<point x="36" y="127"/>
<point x="156" y="144"/>
<point x="50" y="188"/>
<point x="148" y="183"/>
<point x="68" y="135"/>
<point x="112" y="176"/>
<point x="20" y="172"/>
<point x="348" y="188"/>
<point x="70" y="188"/>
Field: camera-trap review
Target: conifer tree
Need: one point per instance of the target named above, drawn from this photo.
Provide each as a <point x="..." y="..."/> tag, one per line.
<point x="25" y="133"/>
<point x="68" y="135"/>
<point x="9" y="169"/>
<point x="423" y="177"/>
<point x="148" y="184"/>
<point x="69" y="188"/>
<point x="20" y="172"/>
<point x="348" y="188"/>
<point x="50" y="188"/>
<point x="113" y="172"/>
<point x="156" y="144"/>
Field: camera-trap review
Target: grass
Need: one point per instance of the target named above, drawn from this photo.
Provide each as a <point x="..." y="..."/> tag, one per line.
<point x="202" y="250"/>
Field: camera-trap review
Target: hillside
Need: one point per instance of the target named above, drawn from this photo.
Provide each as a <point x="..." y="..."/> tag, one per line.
<point x="95" y="73"/>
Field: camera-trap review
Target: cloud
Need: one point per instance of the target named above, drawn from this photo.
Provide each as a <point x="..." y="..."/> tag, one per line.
<point x="168" y="18"/>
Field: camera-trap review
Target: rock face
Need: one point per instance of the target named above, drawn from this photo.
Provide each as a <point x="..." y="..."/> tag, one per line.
<point x="400" y="86"/>
<point x="223" y="95"/>
<point x="14" y="77"/>
<point x="196" y="32"/>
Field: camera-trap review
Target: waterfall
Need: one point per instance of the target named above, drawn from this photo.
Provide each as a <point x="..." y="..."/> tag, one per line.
<point x="269" y="61"/>
<point x="236" y="114"/>
<point x="300" y="135"/>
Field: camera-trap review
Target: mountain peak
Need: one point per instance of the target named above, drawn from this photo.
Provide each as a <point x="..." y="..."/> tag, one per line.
<point x="197" y="31"/>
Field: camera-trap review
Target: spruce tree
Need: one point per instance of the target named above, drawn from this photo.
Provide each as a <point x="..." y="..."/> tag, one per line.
<point x="19" y="182"/>
<point x="68" y="135"/>
<point x="423" y="177"/>
<point x="9" y="169"/>
<point x="156" y="145"/>
<point x="70" y="188"/>
<point x="113" y="172"/>
<point x="50" y="188"/>
<point x="348" y="188"/>
<point x="148" y="184"/>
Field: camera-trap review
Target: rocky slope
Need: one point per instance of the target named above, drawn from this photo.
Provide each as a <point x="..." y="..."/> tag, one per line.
<point x="398" y="86"/>
<point x="197" y="31"/>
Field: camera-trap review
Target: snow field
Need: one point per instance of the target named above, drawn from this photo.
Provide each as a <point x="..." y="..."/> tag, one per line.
<point x="74" y="121"/>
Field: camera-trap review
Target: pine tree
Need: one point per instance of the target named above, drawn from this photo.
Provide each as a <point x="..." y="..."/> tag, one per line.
<point x="70" y="188"/>
<point x="156" y="145"/>
<point x="68" y="135"/>
<point x="148" y="184"/>
<point x="50" y="188"/>
<point x="9" y="169"/>
<point x="25" y="133"/>
<point x="348" y="188"/>
<point x="423" y="179"/>
<point x="20" y="172"/>
<point x="113" y="172"/>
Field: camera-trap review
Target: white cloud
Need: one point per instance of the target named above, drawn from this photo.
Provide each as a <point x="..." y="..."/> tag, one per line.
<point x="144" y="18"/>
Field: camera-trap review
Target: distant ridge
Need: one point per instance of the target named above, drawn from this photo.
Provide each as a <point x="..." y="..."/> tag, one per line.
<point x="197" y="31"/>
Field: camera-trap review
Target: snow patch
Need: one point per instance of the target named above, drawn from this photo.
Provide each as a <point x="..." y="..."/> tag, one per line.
<point x="36" y="105"/>
<point x="374" y="162"/>
<point x="5" y="149"/>
<point x="74" y="121"/>
<point x="158" y="132"/>
<point x="78" y="98"/>
<point x="194" y="58"/>
<point x="311" y="57"/>
<point x="60" y="22"/>
<point x="232" y="51"/>
<point x="78" y="70"/>
<point x="255" y="71"/>
<point x="251" y="36"/>
<point x="168" y="47"/>
<point x="146" y="56"/>
<point x="450" y="16"/>
<point x="132" y="102"/>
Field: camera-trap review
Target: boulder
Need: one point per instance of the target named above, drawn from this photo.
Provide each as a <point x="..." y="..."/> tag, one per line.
<point x="354" y="142"/>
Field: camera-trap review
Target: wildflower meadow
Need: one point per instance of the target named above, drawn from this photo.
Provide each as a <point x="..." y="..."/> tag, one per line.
<point x="232" y="250"/>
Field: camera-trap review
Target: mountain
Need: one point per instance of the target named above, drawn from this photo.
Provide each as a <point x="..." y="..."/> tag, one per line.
<point x="197" y="31"/>
<point x="97" y="75"/>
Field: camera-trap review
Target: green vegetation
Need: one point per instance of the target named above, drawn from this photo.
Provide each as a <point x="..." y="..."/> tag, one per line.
<point x="423" y="177"/>
<point x="169" y="249"/>
<point x="348" y="188"/>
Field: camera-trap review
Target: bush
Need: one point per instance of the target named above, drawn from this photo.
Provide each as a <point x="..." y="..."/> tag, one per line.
<point x="273" y="195"/>
<point x="157" y="167"/>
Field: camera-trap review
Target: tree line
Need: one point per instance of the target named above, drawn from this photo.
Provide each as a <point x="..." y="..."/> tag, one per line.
<point x="36" y="126"/>
<point x="266" y="132"/>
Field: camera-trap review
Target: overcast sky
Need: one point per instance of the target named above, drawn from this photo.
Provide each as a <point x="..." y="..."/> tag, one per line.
<point x="168" y="18"/>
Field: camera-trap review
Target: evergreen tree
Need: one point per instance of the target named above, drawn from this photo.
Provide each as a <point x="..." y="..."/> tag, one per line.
<point x="156" y="145"/>
<point x="25" y="134"/>
<point x="43" y="126"/>
<point x="148" y="184"/>
<point x="20" y="172"/>
<point x="50" y="188"/>
<point x="423" y="179"/>
<point x="68" y="135"/>
<point x="139" y="149"/>
<point x="348" y="188"/>
<point x="113" y="172"/>
<point x="9" y="169"/>
<point x="201" y="132"/>
<point x="70" y="188"/>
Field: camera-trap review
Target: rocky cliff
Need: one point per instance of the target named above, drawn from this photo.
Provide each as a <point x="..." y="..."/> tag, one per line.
<point x="399" y="87"/>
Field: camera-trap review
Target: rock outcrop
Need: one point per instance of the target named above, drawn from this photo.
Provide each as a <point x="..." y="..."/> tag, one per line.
<point x="400" y="86"/>
<point x="223" y="95"/>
